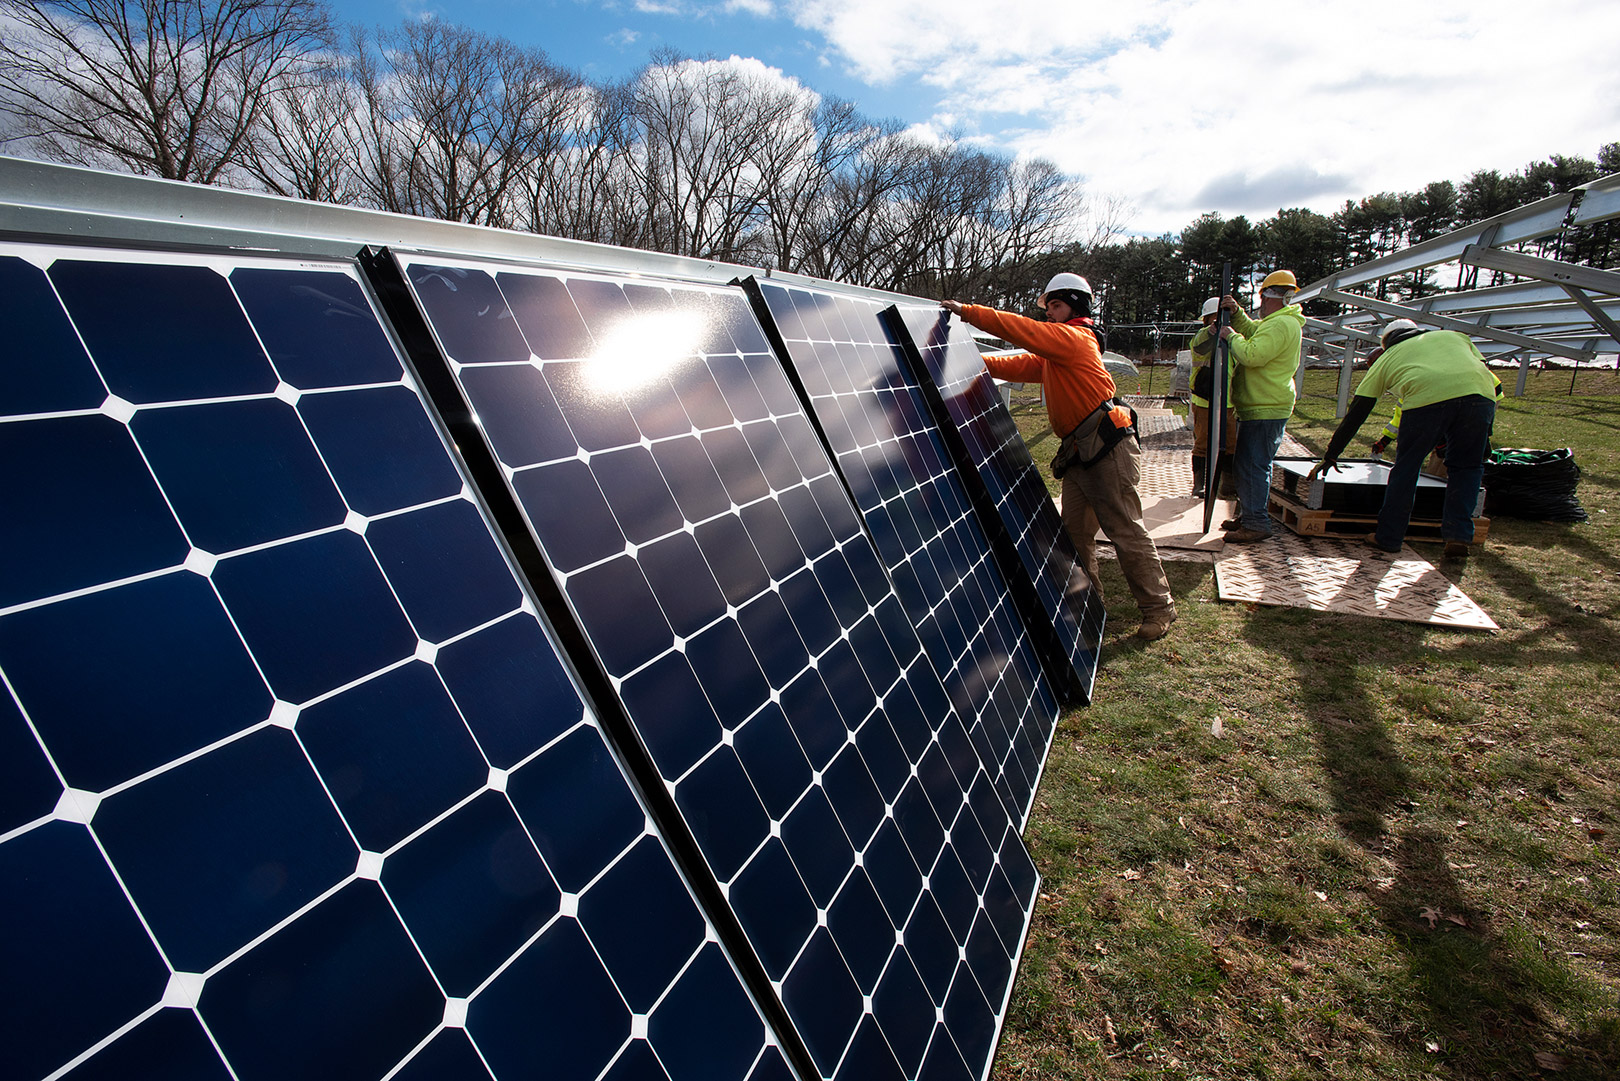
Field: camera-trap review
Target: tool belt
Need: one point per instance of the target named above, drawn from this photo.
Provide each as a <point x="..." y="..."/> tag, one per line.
<point x="1094" y="437"/>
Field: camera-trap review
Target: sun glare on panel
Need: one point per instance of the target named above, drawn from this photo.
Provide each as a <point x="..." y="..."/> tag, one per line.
<point x="639" y="350"/>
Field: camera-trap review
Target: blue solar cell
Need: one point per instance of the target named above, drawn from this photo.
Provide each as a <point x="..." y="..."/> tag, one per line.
<point x="553" y="1012"/>
<point x="760" y="624"/>
<point x="44" y="369"/>
<point x="337" y="992"/>
<point x="727" y="672"/>
<point x="387" y="787"/>
<point x="574" y="521"/>
<point x="816" y="842"/>
<point x="822" y="997"/>
<point x="170" y="1044"/>
<point x="641" y="920"/>
<point x="473" y="322"/>
<point x="574" y="803"/>
<point x="691" y="476"/>
<point x="670" y="684"/>
<point x="706" y="1026"/>
<point x="315" y="613"/>
<point x="685" y="588"/>
<point x="735" y="462"/>
<point x="773" y="759"/>
<point x="161" y="333"/>
<point x="931" y="948"/>
<point x="249" y="832"/>
<point x="86" y="511"/>
<point x="511" y="689"/>
<point x="473" y="891"/>
<point x="723" y="811"/>
<point x="263" y="481"/>
<point x="382" y="450"/>
<point x="773" y="538"/>
<point x="66" y="914"/>
<point x="617" y="591"/>
<point x="516" y="400"/>
<point x="901" y="995"/>
<point x="733" y="559"/>
<point x="28" y="787"/>
<point x="636" y="492"/>
<point x="597" y="414"/>
<point x="546" y="314"/>
<point x="317" y="326"/>
<point x="862" y="929"/>
<point x="121" y="681"/>
<point x="944" y="1062"/>
<point x="773" y="907"/>
<point x="700" y="397"/>
<point x="416" y="550"/>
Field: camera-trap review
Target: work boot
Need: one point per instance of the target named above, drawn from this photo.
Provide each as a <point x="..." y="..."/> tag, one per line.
<point x="1198" y="464"/>
<point x="1244" y="535"/>
<point x="1155" y="626"/>
<point x="1456" y="549"/>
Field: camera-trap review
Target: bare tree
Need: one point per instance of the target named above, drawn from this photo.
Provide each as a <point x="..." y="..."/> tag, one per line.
<point x="582" y="188"/>
<point x="162" y="87"/>
<point x="301" y="145"/>
<point x="451" y="119"/>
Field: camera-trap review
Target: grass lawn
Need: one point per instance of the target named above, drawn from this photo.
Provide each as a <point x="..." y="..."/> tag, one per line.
<point x="1399" y="857"/>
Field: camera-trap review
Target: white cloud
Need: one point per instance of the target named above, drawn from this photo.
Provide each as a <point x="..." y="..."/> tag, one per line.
<point x="1247" y="106"/>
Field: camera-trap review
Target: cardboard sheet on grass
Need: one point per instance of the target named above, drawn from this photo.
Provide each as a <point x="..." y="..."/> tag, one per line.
<point x="1333" y="575"/>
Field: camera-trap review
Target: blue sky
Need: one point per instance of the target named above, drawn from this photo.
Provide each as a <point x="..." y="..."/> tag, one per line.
<point x="1171" y="107"/>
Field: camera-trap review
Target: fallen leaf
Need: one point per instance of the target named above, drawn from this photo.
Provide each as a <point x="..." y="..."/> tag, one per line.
<point x="1595" y="832"/>
<point x="1458" y="920"/>
<point x="1431" y="1046"/>
<point x="1430" y="914"/>
<point x="1113" y="1038"/>
<point x="1130" y="874"/>
<point x="1549" y="1061"/>
<point x="1319" y="895"/>
<point x="1216" y="728"/>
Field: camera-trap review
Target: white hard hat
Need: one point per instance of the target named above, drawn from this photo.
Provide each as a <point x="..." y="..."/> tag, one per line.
<point x="1396" y="326"/>
<point x="1211" y="306"/>
<point x="1066" y="281"/>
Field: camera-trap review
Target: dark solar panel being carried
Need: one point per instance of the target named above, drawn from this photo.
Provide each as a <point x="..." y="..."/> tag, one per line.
<point x="882" y="435"/>
<point x="293" y="783"/>
<point x="1012" y="481"/>
<point x="695" y="526"/>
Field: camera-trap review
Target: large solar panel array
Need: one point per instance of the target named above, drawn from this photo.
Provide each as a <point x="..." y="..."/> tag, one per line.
<point x="995" y="453"/>
<point x="293" y="783"/>
<point x="872" y="413"/>
<point x="693" y="524"/>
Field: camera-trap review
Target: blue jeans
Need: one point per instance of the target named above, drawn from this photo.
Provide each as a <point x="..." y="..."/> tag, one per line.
<point x="1257" y="443"/>
<point x="1465" y="424"/>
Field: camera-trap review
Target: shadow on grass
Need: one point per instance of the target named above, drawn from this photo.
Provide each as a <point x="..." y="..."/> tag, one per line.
<point x="1486" y="990"/>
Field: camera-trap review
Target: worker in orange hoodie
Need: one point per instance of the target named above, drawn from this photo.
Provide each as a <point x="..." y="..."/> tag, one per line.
<point x="1099" y="459"/>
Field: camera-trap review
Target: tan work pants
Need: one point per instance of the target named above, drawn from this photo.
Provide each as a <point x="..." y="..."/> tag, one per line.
<point x="1200" y="416"/>
<point x="1106" y="495"/>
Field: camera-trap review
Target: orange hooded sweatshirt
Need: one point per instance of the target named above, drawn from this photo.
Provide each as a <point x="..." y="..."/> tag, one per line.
<point x="1063" y="357"/>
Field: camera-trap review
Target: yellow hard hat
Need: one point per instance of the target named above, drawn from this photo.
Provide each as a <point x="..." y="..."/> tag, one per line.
<point x="1279" y="277"/>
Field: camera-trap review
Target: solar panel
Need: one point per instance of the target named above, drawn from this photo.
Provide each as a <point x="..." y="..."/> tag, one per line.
<point x="870" y="409"/>
<point x="294" y="782"/>
<point x="693" y="524"/>
<point x="960" y="388"/>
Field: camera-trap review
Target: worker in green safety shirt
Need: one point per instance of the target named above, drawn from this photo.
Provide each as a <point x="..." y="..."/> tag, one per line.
<point x="1203" y="385"/>
<point x="1266" y="354"/>
<point x="1448" y="395"/>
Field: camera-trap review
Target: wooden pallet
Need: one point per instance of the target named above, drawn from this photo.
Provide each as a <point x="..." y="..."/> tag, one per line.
<point x="1327" y="523"/>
